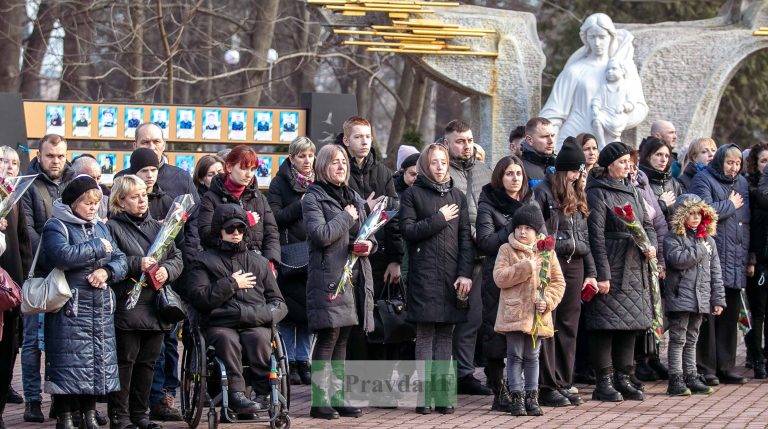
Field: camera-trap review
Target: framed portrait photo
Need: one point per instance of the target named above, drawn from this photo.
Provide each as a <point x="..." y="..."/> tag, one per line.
<point x="134" y="116"/>
<point x="236" y="124"/>
<point x="81" y="121"/>
<point x="160" y="117"/>
<point x="107" y="121"/>
<point x="262" y="125"/>
<point x="289" y="126"/>
<point x="212" y="124"/>
<point x="55" y="120"/>
<point x="186" y="163"/>
<point x="107" y="162"/>
<point x="264" y="171"/>
<point x="185" y="123"/>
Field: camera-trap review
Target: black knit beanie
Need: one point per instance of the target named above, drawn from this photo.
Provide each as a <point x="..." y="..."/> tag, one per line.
<point x="143" y="157"/>
<point x="612" y="152"/>
<point x="410" y="161"/>
<point x="571" y="156"/>
<point x="77" y="187"/>
<point x="528" y="215"/>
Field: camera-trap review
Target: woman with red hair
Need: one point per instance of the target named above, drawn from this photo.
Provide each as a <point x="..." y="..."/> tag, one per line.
<point x="237" y="185"/>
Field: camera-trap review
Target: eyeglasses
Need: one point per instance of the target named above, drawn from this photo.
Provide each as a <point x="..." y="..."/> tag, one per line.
<point x="231" y="229"/>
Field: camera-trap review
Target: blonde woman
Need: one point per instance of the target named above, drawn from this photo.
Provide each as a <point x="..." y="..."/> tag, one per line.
<point x="700" y="153"/>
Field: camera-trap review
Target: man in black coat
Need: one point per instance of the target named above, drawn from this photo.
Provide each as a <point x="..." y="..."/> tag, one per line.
<point x="538" y="150"/>
<point x="469" y="176"/>
<point x="53" y="173"/>
<point x="371" y="179"/>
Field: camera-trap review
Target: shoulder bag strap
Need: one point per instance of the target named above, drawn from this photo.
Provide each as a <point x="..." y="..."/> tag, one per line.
<point x="37" y="252"/>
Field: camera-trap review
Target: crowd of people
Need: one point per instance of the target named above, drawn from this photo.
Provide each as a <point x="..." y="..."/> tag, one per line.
<point x="528" y="269"/>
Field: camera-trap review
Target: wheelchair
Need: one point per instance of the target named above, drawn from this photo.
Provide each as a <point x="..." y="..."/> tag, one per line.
<point x="204" y="383"/>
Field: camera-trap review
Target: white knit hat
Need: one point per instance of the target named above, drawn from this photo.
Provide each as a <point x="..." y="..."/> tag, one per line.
<point x="404" y="151"/>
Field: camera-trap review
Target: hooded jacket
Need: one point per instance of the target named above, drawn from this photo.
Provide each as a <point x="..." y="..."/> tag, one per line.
<point x="262" y="237"/>
<point x="215" y="294"/>
<point x="37" y="203"/>
<point x="686" y="176"/>
<point x="439" y="251"/>
<point x="536" y="165"/>
<point x="516" y="273"/>
<point x="80" y="347"/>
<point x="469" y="176"/>
<point x="732" y="237"/>
<point x="627" y="306"/>
<point x="694" y="281"/>
<point x="159" y="202"/>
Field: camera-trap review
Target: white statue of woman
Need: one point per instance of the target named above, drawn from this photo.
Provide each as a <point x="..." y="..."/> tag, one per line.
<point x="571" y="105"/>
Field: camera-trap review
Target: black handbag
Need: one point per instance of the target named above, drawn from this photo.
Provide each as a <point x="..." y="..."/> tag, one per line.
<point x="389" y="317"/>
<point x="294" y="259"/>
<point x="169" y="306"/>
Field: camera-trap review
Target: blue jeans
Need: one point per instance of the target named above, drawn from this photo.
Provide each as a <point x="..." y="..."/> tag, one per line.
<point x="31" y="350"/>
<point x="166" y="379"/>
<point x="522" y="362"/>
<point x="297" y="339"/>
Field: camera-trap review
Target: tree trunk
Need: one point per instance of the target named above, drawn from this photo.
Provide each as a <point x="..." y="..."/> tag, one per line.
<point x="428" y="113"/>
<point x="34" y="50"/>
<point x="416" y="105"/>
<point x="399" y="121"/>
<point x="11" y="28"/>
<point x="76" y="28"/>
<point x="136" y="48"/>
<point x="260" y="40"/>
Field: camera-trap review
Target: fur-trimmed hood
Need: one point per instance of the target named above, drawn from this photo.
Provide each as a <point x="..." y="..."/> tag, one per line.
<point x="689" y="203"/>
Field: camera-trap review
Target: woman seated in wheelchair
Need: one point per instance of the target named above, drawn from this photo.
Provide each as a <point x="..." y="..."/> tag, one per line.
<point x="239" y="301"/>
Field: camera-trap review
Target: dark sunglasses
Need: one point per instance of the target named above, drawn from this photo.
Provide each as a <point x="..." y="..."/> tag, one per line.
<point x="233" y="228"/>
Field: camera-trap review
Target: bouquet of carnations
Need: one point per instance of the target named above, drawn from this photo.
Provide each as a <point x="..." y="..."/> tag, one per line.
<point x="545" y="246"/>
<point x="640" y="237"/>
<point x="172" y="225"/>
<point x="379" y="217"/>
<point x="11" y="190"/>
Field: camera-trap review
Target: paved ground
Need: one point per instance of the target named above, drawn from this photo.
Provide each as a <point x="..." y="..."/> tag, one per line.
<point x="730" y="406"/>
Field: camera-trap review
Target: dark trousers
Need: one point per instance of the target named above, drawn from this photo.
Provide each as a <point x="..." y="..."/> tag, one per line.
<point x="612" y="349"/>
<point x="716" y="349"/>
<point x="331" y="344"/>
<point x="465" y="334"/>
<point x="557" y="353"/>
<point x="232" y="345"/>
<point x="166" y="379"/>
<point x="8" y="351"/>
<point x="758" y="305"/>
<point x="137" y="352"/>
<point x="581" y="362"/>
<point x="74" y="403"/>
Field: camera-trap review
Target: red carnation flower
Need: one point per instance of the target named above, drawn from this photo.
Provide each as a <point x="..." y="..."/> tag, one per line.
<point x="619" y="212"/>
<point x="384" y="216"/>
<point x="184" y="216"/>
<point x="546" y="243"/>
<point x="629" y="212"/>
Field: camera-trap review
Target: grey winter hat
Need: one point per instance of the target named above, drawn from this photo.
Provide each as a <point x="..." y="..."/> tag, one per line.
<point x="686" y="197"/>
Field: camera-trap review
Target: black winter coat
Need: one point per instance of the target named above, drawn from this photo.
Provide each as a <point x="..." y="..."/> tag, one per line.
<point x="159" y="202"/>
<point x="570" y="231"/>
<point x="284" y="198"/>
<point x="686" y="176"/>
<point x="494" y="213"/>
<point x="134" y="236"/>
<point x="758" y="220"/>
<point x="469" y="177"/>
<point x="374" y="176"/>
<point x="732" y="236"/>
<point x="262" y="237"/>
<point x="627" y="306"/>
<point x="328" y="229"/>
<point x="536" y="165"/>
<point x="17" y="257"/>
<point x="439" y="251"/>
<point x="662" y="181"/>
<point x="214" y="293"/>
<point x="37" y="208"/>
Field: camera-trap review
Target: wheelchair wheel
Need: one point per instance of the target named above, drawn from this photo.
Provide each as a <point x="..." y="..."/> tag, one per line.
<point x="213" y="418"/>
<point x="282" y="421"/>
<point x="193" y="381"/>
<point x="282" y="361"/>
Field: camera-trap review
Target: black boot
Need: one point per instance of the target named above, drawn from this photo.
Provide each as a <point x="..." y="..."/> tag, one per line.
<point x="14" y="397"/>
<point x="604" y="390"/>
<point x="636" y="382"/>
<point x="64" y="421"/>
<point x="305" y="372"/>
<point x="676" y="386"/>
<point x="644" y="372"/>
<point x="517" y="407"/>
<point x="240" y="404"/>
<point x="661" y="371"/>
<point x="758" y="366"/>
<point x="294" y="378"/>
<point x="696" y="384"/>
<point x="327" y="413"/>
<point x="501" y="400"/>
<point x="573" y="398"/>
<point x="88" y="420"/>
<point x="552" y="398"/>
<point x="532" y="407"/>
<point x="625" y="387"/>
<point x="33" y="413"/>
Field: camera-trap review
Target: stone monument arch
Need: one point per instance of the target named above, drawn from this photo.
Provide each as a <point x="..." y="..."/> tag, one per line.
<point x="686" y="66"/>
<point x="505" y="91"/>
